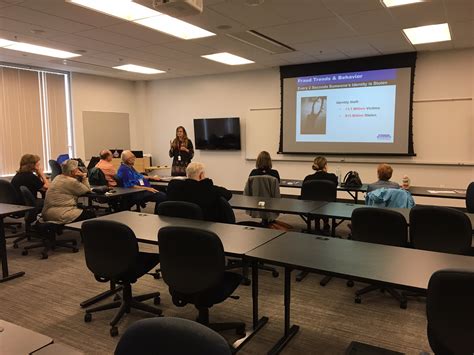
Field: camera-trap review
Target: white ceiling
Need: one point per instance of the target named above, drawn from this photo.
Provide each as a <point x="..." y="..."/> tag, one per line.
<point x="319" y="30"/>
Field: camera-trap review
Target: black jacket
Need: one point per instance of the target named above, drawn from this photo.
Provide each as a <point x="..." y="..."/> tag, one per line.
<point x="321" y="175"/>
<point x="203" y="193"/>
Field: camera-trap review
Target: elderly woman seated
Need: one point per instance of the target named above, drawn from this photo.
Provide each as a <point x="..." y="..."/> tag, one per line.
<point x="60" y="204"/>
<point x="129" y="177"/>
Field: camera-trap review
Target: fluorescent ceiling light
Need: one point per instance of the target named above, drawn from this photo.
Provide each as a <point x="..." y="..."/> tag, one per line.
<point x="227" y="58"/>
<point x="428" y="34"/>
<point x="124" y="9"/>
<point x="5" y="42"/>
<point x="32" y="48"/>
<point x="139" y="69"/>
<point x="174" y="27"/>
<point x="393" y="3"/>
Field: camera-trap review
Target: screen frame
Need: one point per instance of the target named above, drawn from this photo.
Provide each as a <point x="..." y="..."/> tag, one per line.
<point x="217" y="118"/>
<point x="392" y="61"/>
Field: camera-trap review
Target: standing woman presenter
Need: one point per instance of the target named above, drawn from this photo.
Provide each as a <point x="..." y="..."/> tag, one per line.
<point x="182" y="151"/>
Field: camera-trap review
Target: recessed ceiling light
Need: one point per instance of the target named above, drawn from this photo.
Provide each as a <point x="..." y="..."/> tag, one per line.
<point x="32" y="48"/>
<point x="174" y="27"/>
<point x="138" y="69"/>
<point x="428" y="34"/>
<point x="38" y="32"/>
<point x="124" y="9"/>
<point x="227" y="58"/>
<point x="393" y="3"/>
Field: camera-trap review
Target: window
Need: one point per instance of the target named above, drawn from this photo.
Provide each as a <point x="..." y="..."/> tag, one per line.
<point x="35" y="116"/>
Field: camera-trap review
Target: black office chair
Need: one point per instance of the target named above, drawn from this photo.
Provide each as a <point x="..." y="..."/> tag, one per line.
<point x="440" y="229"/>
<point x="8" y="194"/>
<point x="46" y="232"/>
<point x="112" y="255"/>
<point x="449" y="310"/>
<point x="55" y="169"/>
<point x="470" y="198"/>
<point x="92" y="162"/>
<point x="380" y="226"/>
<point x="193" y="266"/>
<point x="318" y="190"/>
<point x="180" y="209"/>
<point x="227" y="216"/>
<point x="171" y="336"/>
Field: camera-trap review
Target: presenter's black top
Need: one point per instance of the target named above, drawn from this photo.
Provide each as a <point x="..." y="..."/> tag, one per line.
<point x="181" y="159"/>
<point x="28" y="179"/>
<point x="203" y="193"/>
<point x="321" y="175"/>
<point x="271" y="172"/>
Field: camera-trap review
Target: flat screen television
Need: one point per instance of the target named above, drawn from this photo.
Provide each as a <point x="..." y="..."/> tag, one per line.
<point x="217" y="133"/>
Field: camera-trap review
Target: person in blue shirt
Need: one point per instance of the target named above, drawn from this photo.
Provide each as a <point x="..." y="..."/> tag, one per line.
<point x="131" y="178"/>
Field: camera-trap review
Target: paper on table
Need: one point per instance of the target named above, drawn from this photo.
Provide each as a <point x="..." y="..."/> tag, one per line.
<point x="441" y="191"/>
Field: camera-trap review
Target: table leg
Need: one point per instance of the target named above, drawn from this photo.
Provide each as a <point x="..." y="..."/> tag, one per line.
<point x="290" y="330"/>
<point x="257" y="323"/>
<point x="3" y="254"/>
<point x="356" y="198"/>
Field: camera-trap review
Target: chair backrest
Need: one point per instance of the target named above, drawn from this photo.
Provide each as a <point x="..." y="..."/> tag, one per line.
<point x="110" y="248"/>
<point x="378" y="225"/>
<point x="29" y="199"/>
<point x="319" y="190"/>
<point x="440" y="229"/>
<point x="96" y="177"/>
<point x="449" y="310"/>
<point x="8" y="193"/>
<point x="192" y="260"/>
<point x="226" y="212"/>
<point x="180" y="209"/>
<point x="262" y="186"/>
<point x="55" y="169"/>
<point x="386" y="197"/>
<point x="171" y="336"/>
<point x="93" y="162"/>
<point x="470" y="198"/>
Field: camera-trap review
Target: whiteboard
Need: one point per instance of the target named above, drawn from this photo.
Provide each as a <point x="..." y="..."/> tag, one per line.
<point x="442" y="129"/>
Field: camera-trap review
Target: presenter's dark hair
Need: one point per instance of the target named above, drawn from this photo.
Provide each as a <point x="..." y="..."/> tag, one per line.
<point x="319" y="163"/>
<point x="264" y="161"/>
<point x="185" y="137"/>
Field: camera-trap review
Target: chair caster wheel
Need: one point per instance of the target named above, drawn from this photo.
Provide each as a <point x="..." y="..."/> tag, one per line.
<point x="156" y="300"/>
<point x="44" y="256"/>
<point x="240" y="331"/>
<point x="350" y="283"/>
<point x="87" y="317"/>
<point x="113" y="331"/>
<point x="15" y="246"/>
<point x="358" y="300"/>
<point x="75" y="250"/>
<point x="403" y="305"/>
<point x="245" y="281"/>
<point x="24" y="252"/>
<point x="275" y="273"/>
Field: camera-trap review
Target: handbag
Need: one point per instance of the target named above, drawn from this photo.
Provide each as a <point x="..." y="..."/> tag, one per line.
<point x="352" y="179"/>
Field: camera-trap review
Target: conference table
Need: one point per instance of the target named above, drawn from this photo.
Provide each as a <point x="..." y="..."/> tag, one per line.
<point x="18" y="340"/>
<point x="401" y="268"/>
<point x="237" y="240"/>
<point x="5" y="211"/>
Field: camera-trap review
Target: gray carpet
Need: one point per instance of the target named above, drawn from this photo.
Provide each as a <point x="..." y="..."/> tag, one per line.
<point x="47" y="300"/>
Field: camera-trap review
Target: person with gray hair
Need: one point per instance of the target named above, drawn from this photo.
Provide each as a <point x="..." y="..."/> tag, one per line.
<point x="60" y="204"/>
<point x="131" y="178"/>
<point x="199" y="190"/>
<point x="106" y="166"/>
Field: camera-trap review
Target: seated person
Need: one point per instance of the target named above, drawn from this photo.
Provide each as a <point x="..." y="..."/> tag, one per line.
<point x="105" y="164"/>
<point x="31" y="175"/>
<point x="60" y="204"/>
<point x="264" y="166"/>
<point x="384" y="172"/>
<point x="199" y="190"/>
<point x="320" y="165"/>
<point x="133" y="179"/>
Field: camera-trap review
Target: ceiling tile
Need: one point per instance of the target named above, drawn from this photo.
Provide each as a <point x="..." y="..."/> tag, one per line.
<point x="389" y="41"/>
<point x="459" y="10"/>
<point x="24" y="14"/>
<point x="140" y="32"/>
<point x="87" y="43"/>
<point x="26" y="28"/>
<point x="346" y="7"/>
<point x="370" y="22"/>
<point x="297" y="57"/>
<point x="210" y="20"/>
<point x="307" y="31"/>
<point x="114" y="38"/>
<point x="301" y="10"/>
<point x="189" y="47"/>
<point x="166" y="52"/>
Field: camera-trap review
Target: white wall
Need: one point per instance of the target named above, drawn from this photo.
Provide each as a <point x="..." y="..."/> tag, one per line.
<point x="439" y="75"/>
<point x="97" y="93"/>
